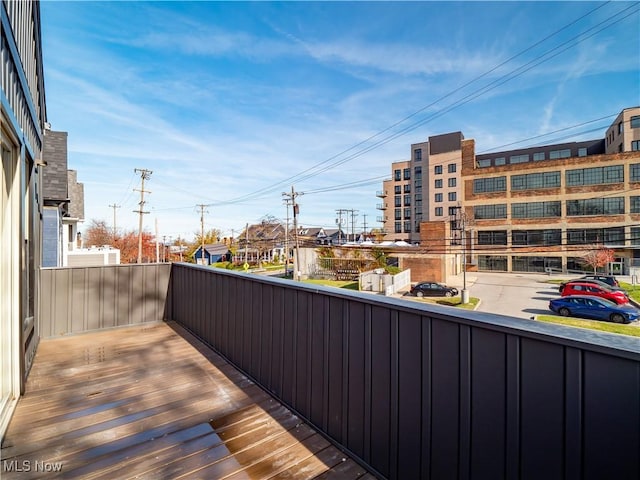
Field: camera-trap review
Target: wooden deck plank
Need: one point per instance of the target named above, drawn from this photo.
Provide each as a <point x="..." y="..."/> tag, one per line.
<point x="154" y="402"/>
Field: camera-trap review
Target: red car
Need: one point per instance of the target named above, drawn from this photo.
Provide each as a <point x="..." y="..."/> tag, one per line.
<point x="582" y="288"/>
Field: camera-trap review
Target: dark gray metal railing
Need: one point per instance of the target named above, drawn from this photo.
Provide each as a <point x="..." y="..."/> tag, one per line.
<point x="80" y="299"/>
<point x="419" y="391"/>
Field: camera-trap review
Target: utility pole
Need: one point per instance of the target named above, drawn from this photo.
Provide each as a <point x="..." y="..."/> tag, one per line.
<point x="353" y="220"/>
<point x="296" y="210"/>
<point x="459" y="223"/>
<point x="364" y="224"/>
<point x="287" y="202"/>
<point x="114" y="206"/>
<point x="339" y="212"/>
<point x="144" y="175"/>
<point x="202" y="210"/>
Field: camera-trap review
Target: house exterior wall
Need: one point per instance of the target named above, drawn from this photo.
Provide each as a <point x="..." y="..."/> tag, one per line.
<point x="23" y="116"/>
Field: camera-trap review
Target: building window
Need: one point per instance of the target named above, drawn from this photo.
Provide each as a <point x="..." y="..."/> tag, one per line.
<point x="535" y="264"/>
<point x="417" y="171"/>
<point x="620" y="128"/>
<point x="397" y="227"/>
<point x="451" y="168"/>
<point x="407" y="213"/>
<point x="452" y="196"/>
<point x="500" y="161"/>
<point x="438" y="197"/>
<point x="635" y="205"/>
<point x="417" y="154"/>
<point x="635" y="235"/>
<point x="453" y="211"/>
<point x="535" y="180"/>
<point x="635" y="121"/>
<point x="484" y="212"/>
<point x="418" y="197"/>
<point x="538" y="156"/>
<point x="565" y="153"/>
<point x="484" y="163"/>
<point x="417" y="227"/>
<point x="397" y="214"/>
<point x="588" y="236"/>
<point x="492" y="262"/>
<point x="493" y="184"/>
<point x="397" y="201"/>
<point x="519" y="158"/>
<point x="536" y="209"/>
<point x="536" y="237"/>
<point x="407" y="227"/>
<point x="582" y="152"/>
<point x="406" y="174"/>
<point x="595" y="175"/>
<point x="438" y="211"/>
<point x="492" y="237"/>
<point x="438" y="183"/>
<point x="452" y="182"/>
<point x="397" y="189"/>
<point x="634" y="172"/>
<point x="595" y="206"/>
<point x="397" y="175"/>
<point x="407" y="188"/>
<point x="407" y="199"/>
<point x="437" y="169"/>
<point x="635" y="145"/>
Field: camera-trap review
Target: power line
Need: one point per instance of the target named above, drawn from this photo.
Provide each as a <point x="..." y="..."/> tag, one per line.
<point x="309" y="173"/>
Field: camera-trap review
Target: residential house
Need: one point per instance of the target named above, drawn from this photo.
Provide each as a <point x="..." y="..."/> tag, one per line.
<point x="213" y="253"/>
<point x="23" y="117"/>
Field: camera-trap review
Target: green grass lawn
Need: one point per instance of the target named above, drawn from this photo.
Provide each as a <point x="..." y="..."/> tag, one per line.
<point x="348" y="284"/>
<point x="449" y="301"/>
<point x="591" y="324"/>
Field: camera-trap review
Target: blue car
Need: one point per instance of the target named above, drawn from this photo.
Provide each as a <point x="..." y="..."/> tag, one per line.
<point x="594" y="308"/>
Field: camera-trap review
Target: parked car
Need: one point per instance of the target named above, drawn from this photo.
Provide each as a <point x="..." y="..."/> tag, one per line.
<point x="595" y="308"/>
<point x="591" y="289"/>
<point x="591" y="280"/>
<point x="432" y="289"/>
<point x="608" y="279"/>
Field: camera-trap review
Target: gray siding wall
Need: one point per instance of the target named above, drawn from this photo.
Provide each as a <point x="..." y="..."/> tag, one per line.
<point x="76" y="195"/>
<point x="427" y="392"/>
<point x="55" y="173"/>
<point x="81" y="299"/>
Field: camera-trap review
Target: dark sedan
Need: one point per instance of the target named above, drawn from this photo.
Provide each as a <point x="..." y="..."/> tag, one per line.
<point x="594" y="308"/>
<point x="432" y="289"/>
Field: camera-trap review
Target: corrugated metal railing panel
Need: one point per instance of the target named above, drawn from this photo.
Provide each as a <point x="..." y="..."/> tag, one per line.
<point x="419" y="391"/>
<point x="80" y="299"/>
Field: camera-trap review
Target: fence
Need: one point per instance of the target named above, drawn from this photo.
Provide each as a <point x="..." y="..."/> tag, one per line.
<point x="418" y="391"/>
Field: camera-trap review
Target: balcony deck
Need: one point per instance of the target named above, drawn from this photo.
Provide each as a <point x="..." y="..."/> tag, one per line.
<point x="154" y="402"/>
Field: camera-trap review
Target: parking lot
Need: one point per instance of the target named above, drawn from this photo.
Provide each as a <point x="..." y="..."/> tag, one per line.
<point x="520" y="295"/>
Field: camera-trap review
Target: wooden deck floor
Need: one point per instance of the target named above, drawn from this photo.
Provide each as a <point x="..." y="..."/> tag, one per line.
<point x="154" y="403"/>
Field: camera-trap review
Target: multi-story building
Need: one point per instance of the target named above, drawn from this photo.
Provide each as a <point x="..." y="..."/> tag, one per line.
<point x="23" y="116"/>
<point x="425" y="188"/>
<point x="545" y="207"/>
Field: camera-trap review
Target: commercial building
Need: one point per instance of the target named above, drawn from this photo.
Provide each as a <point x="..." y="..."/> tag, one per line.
<point x="425" y="188"/>
<point x="533" y="209"/>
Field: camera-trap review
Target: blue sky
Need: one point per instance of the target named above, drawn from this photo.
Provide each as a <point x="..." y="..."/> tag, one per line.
<point x="232" y="103"/>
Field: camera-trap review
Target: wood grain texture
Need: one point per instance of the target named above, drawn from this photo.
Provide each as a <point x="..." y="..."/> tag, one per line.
<point x="153" y="402"/>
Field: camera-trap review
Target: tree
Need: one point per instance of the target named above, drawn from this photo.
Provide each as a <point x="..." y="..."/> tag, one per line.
<point x="599" y="256"/>
<point x="210" y="236"/>
<point x="98" y="234"/>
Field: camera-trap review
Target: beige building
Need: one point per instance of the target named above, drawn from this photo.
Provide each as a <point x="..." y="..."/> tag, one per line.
<point x="425" y="188"/>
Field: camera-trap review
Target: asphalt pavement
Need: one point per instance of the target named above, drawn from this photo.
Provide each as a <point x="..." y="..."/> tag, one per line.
<point x="521" y="295"/>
